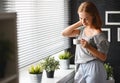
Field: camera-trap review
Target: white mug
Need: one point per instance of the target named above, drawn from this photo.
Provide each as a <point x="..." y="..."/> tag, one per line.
<point x="76" y="41"/>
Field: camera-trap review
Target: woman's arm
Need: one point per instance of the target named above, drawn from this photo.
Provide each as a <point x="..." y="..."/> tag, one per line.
<point x="92" y="50"/>
<point x="71" y="30"/>
<point x="96" y="53"/>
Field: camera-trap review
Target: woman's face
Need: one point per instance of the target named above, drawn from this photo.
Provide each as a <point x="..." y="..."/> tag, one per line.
<point x="85" y="18"/>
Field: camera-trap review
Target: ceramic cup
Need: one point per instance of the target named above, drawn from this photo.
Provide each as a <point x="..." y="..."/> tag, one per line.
<point x="76" y="41"/>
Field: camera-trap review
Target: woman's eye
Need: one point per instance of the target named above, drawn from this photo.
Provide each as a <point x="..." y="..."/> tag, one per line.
<point x="86" y="18"/>
<point x="80" y="18"/>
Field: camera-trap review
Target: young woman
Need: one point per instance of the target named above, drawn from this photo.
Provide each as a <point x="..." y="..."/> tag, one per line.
<point x="93" y="46"/>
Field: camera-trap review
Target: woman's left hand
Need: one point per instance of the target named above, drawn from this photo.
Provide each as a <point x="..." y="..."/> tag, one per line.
<point x="84" y="43"/>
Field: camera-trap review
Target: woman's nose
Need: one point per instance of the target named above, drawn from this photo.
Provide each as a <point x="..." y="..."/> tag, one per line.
<point x="83" y="20"/>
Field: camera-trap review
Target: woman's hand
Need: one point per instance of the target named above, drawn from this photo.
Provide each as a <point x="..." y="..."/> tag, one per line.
<point x="92" y="50"/>
<point x="84" y="43"/>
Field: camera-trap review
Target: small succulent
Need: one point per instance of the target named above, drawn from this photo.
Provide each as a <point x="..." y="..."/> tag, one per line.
<point x="109" y="70"/>
<point x="35" y="69"/>
<point x="65" y="55"/>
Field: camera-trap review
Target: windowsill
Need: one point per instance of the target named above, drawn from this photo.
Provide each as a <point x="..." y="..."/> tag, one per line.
<point x="60" y="76"/>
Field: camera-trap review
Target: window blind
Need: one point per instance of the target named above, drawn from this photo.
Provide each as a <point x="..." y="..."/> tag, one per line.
<point x="39" y="26"/>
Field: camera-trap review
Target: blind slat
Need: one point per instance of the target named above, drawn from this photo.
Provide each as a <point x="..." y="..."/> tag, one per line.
<point x="39" y="26"/>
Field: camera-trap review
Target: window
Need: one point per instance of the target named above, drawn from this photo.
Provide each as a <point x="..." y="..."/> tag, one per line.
<point x="39" y="26"/>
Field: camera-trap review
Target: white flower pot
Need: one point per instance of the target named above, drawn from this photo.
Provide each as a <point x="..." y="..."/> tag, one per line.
<point x="35" y="78"/>
<point x="64" y="63"/>
<point x="110" y="81"/>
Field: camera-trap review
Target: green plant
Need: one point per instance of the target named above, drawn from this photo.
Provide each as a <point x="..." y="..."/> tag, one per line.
<point x="35" y="69"/>
<point x="109" y="70"/>
<point x="65" y="55"/>
<point x="50" y="64"/>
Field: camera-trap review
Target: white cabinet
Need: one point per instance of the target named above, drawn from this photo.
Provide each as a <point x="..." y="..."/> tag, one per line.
<point x="8" y="29"/>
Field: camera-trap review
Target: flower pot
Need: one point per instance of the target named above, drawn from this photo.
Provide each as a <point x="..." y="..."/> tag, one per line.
<point x="50" y="74"/>
<point x="64" y="63"/>
<point x="35" y="78"/>
<point x="110" y="81"/>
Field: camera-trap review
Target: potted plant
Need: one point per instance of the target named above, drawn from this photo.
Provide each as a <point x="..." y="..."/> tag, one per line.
<point x="109" y="70"/>
<point x="35" y="72"/>
<point x="50" y="65"/>
<point x="64" y="59"/>
<point x="5" y="54"/>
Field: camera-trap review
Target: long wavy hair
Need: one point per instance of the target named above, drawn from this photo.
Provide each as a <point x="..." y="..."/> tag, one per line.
<point x="91" y="9"/>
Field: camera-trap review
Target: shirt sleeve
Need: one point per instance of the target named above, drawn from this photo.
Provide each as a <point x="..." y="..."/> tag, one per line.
<point x="102" y="43"/>
<point x="81" y="28"/>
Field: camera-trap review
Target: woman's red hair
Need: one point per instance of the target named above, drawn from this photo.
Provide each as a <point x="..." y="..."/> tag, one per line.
<point x="91" y="9"/>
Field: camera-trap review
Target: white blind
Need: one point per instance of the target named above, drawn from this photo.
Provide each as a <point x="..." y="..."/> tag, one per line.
<point x="39" y="26"/>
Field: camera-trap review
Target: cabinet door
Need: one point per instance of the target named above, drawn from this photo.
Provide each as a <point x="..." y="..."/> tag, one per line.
<point x="8" y="33"/>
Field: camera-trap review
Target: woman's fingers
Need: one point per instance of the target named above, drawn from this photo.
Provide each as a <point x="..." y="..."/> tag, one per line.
<point x="84" y="43"/>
